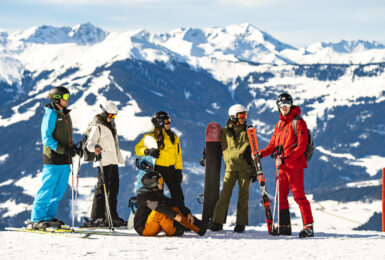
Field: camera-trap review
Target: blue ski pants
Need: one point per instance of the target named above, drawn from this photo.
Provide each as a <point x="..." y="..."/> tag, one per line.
<point x="55" y="182"/>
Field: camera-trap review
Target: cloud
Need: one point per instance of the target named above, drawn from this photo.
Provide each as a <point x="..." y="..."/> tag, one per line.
<point x="248" y="3"/>
<point x="97" y="2"/>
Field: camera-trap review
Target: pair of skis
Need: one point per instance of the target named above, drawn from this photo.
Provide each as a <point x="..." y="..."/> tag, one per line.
<point x="252" y="135"/>
<point x="67" y="232"/>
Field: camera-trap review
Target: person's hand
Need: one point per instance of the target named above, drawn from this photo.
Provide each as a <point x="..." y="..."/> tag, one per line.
<point x="98" y="150"/>
<point x="179" y="175"/>
<point x="152" y="152"/>
<point x="190" y="218"/>
<point x="178" y="218"/>
<point x="70" y="150"/>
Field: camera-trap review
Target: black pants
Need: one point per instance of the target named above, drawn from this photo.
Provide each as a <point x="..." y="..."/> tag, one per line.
<point x="111" y="177"/>
<point x="171" y="180"/>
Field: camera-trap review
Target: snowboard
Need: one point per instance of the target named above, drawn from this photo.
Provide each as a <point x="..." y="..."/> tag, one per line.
<point x="144" y="164"/>
<point x="213" y="159"/>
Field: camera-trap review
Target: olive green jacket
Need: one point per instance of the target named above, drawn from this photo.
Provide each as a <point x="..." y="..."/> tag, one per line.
<point x="236" y="148"/>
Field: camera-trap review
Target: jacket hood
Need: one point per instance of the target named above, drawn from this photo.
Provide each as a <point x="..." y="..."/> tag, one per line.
<point x="295" y="111"/>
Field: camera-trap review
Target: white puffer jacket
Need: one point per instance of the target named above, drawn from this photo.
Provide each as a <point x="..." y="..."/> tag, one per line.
<point x="104" y="138"/>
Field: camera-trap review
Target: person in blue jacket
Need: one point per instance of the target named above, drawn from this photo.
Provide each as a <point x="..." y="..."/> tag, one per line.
<point x="58" y="150"/>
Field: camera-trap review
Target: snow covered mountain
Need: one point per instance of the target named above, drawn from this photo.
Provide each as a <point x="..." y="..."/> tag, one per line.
<point x="195" y="75"/>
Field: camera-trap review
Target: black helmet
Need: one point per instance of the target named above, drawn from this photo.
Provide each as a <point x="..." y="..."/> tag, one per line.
<point x="285" y="98"/>
<point x="57" y="93"/>
<point x="158" y="119"/>
<point x="151" y="179"/>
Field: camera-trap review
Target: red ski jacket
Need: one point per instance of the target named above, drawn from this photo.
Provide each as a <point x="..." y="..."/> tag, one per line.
<point x="284" y="135"/>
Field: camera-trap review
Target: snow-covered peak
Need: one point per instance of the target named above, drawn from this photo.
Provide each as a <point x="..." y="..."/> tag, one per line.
<point x="346" y="46"/>
<point x="82" y="34"/>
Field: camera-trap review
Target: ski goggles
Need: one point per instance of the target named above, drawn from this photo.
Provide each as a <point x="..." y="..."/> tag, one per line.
<point x="167" y="122"/>
<point x="160" y="181"/>
<point x="283" y="104"/>
<point x="112" y="116"/>
<point x="242" y="115"/>
<point x="65" y="96"/>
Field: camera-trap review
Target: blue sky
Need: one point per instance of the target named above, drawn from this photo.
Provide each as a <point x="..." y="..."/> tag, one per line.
<point x="297" y="22"/>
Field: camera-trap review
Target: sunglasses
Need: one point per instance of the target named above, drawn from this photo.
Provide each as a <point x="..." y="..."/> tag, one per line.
<point x="160" y="181"/>
<point x="65" y="96"/>
<point x="112" y="116"/>
<point x="242" y="115"/>
<point x="167" y="122"/>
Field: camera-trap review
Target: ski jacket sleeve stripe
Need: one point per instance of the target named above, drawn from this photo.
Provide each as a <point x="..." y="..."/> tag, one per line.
<point x="178" y="154"/>
<point x="302" y="138"/>
<point x="47" y="129"/>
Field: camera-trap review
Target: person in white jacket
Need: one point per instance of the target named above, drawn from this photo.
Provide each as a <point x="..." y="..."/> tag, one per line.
<point x="103" y="139"/>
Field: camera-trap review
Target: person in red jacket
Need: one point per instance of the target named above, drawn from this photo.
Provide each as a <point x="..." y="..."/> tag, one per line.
<point x="288" y="151"/>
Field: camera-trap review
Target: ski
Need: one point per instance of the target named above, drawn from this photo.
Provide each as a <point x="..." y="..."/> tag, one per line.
<point x="252" y="135"/>
<point x="51" y="231"/>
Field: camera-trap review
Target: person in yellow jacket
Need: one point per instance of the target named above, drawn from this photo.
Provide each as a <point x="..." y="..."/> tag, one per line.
<point x="168" y="155"/>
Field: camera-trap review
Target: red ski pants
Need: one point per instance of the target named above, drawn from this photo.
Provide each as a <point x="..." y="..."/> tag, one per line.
<point x="293" y="180"/>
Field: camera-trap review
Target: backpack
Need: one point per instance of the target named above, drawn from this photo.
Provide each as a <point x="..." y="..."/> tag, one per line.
<point x="310" y="145"/>
<point x="87" y="155"/>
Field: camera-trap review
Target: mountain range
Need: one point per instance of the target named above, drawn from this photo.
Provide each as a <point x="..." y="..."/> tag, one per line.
<point x="195" y="75"/>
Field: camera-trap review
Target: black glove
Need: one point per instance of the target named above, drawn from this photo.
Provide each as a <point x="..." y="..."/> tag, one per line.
<point x="179" y="176"/>
<point x="78" y="148"/>
<point x="254" y="176"/>
<point x="152" y="152"/>
<point x="70" y="151"/>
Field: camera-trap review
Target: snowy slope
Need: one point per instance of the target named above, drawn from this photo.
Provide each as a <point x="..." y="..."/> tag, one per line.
<point x="195" y="74"/>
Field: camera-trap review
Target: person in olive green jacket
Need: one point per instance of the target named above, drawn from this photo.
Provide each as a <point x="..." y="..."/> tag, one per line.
<point x="237" y="156"/>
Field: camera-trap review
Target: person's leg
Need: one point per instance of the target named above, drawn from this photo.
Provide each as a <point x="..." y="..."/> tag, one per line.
<point x="284" y="185"/>
<point x="113" y="190"/>
<point x="98" y="204"/>
<point x="298" y="190"/>
<point x="222" y="204"/>
<point x="169" y="177"/>
<point x="63" y="172"/>
<point x="44" y="194"/>
<point x="152" y="226"/>
<point x="243" y="198"/>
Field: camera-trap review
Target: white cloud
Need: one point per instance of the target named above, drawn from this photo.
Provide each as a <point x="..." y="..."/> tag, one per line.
<point x="98" y="2"/>
<point x="247" y="3"/>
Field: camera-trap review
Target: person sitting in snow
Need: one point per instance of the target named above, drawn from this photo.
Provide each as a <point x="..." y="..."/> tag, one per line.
<point x="157" y="212"/>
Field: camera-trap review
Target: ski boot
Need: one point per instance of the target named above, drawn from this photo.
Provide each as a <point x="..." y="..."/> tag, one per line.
<point x="239" y="228"/>
<point x="216" y="226"/>
<point x="55" y="223"/>
<point x="119" y="222"/>
<point x="39" y="225"/>
<point x="307" y="231"/>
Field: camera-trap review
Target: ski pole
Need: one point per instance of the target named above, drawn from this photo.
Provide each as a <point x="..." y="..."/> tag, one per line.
<point x="72" y="191"/>
<point x="109" y="218"/>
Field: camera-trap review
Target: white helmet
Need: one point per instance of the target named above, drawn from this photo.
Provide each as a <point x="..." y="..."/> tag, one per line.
<point x="234" y="110"/>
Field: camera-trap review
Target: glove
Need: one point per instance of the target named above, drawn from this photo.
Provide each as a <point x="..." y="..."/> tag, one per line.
<point x="254" y="176"/>
<point x="179" y="176"/>
<point x="70" y="151"/>
<point x="152" y="152"/>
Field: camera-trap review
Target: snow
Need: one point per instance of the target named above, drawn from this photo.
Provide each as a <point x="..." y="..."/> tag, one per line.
<point x="3" y="158"/>
<point x="253" y="244"/>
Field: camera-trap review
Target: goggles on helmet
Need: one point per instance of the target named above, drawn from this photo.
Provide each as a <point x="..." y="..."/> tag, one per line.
<point x="242" y="115"/>
<point x="112" y="116"/>
<point x="65" y="96"/>
<point x="284" y="103"/>
<point x="167" y="121"/>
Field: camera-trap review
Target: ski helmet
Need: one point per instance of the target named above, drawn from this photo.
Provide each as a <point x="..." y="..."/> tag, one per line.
<point x="284" y="98"/>
<point x="158" y="119"/>
<point x="151" y="179"/>
<point x="57" y="93"/>
<point x="235" y="110"/>
<point x="110" y="110"/>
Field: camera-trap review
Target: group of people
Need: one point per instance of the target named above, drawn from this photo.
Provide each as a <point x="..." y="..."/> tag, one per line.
<point x="156" y="212"/>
